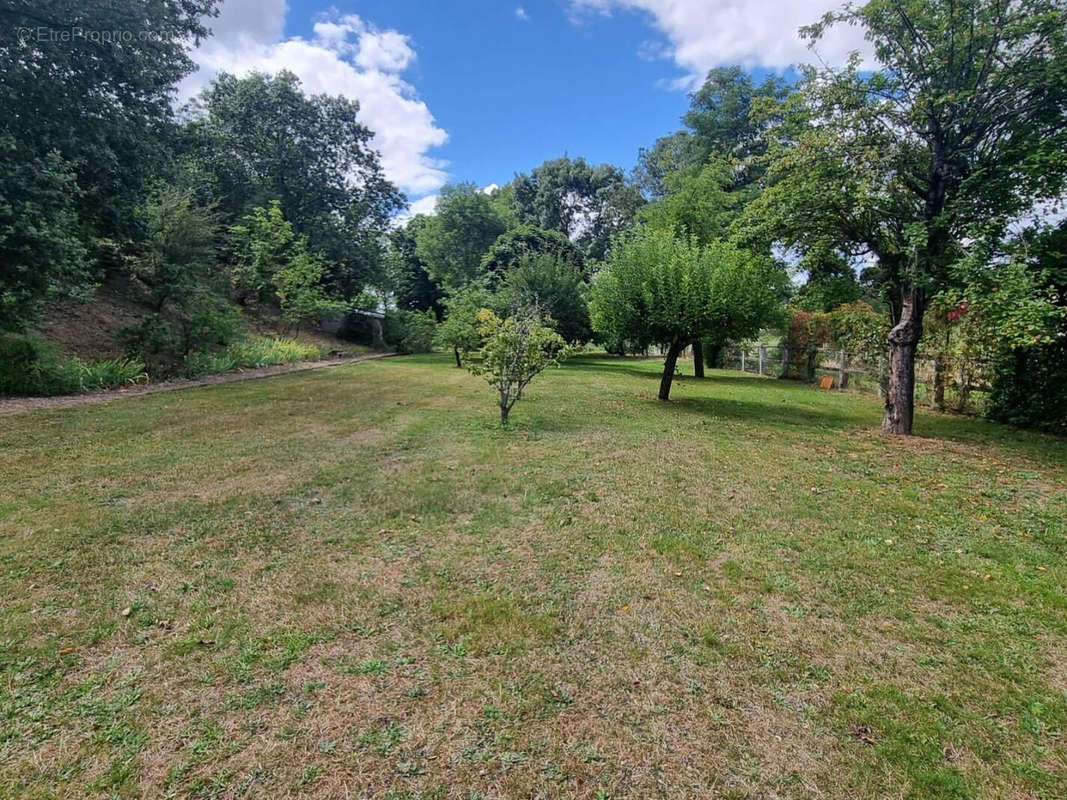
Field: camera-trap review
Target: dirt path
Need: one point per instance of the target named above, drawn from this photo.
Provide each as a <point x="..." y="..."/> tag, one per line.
<point x="15" y="405"/>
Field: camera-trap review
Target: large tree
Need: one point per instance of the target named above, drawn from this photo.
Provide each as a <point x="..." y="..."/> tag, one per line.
<point x="659" y="288"/>
<point x="407" y="277"/>
<point x="587" y="204"/>
<point x="86" y="122"/>
<point x="454" y="241"/>
<point x="261" y="138"/>
<point x="958" y="130"/>
<point x="718" y="125"/>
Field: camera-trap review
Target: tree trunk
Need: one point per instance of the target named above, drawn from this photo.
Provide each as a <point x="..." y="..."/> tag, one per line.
<point x="698" y="359"/>
<point x="669" y="366"/>
<point x="939" y="382"/>
<point x="504" y="415"/>
<point x="455" y="352"/>
<point x="903" y="339"/>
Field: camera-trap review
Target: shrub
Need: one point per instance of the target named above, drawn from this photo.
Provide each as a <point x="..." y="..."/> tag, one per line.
<point x="410" y="331"/>
<point x="30" y="365"/>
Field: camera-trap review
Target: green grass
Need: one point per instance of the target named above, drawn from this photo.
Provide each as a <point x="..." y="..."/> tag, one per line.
<point x="251" y="352"/>
<point x="353" y="583"/>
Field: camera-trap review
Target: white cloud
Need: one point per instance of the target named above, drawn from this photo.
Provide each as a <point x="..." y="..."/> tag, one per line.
<point x="347" y="56"/>
<point x="520" y="13"/>
<point x="492" y="187"/>
<point x="754" y="33"/>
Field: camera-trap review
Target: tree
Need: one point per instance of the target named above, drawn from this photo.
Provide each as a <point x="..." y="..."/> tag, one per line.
<point x="176" y="273"/>
<point x="658" y="288"/>
<point x="260" y="138"/>
<point x="556" y="286"/>
<point x="86" y="124"/>
<point x="515" y="350"/>
<point x="586" y="204"/>
<point x="273" y="265"/>
<point x="458" y="331"/>
<point x="453" y="242"/>
<point x="719" y="125"/>
<point x="958" y="131"/>
<point x="526" y="240"/>
<point x="407" y="277"/>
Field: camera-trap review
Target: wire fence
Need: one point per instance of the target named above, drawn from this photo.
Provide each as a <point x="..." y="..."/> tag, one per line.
<point x="944" y="382"/>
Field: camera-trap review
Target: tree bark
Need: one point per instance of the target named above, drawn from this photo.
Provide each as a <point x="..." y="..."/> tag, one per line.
<point x="669" y="366"/>
<point x="455" y="351"/>
<point x="698" y="359"/>
<point x="903" y="339"/>
<point x="939" y="382"/>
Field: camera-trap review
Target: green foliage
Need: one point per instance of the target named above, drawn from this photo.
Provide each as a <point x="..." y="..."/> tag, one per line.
<point x="410" y="331"/>
<point x="697" y="202"/>
<point x="453" y="242"/>
<point x="556" y="286"/>
<point x="587" y="204"/>
<point x="262" y="138"/>
<point x="163" y="341"/>
<point x="407" y="277"/>
<point x="527" y="240"/>
<point x="250" y="353"/>
<point x="273" y="265"/>
<point x="42" y="255"/>
<point x="458" y="331"/>
<point x="102" y="112"/>
<point x="514" y="351"/>
<point x="657" y="288"/>
<point x="32" y="366"/>
<point x="719" y="125"/>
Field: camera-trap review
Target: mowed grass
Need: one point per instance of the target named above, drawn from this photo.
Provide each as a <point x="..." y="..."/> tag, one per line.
<point x="352" y="583"/>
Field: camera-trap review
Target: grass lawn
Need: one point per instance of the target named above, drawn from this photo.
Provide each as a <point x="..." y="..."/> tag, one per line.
<point x="352" y="583"/>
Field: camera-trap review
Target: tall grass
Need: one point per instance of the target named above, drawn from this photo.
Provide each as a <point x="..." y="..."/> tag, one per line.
<point x="258" y="351"/>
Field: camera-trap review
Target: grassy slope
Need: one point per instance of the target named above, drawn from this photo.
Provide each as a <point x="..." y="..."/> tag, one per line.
<point x="354" y="581"/>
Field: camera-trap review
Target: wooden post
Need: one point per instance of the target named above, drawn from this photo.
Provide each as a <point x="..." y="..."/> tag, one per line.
<point x="742" y="359"/>
<point x="785" y="362"/>
<point x="762" y="356"/>
<point x="842" y="365"/>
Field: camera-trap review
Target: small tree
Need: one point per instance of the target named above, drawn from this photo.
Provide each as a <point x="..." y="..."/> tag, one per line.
<point x="458" y="331"/>
<point x="657" y="288"/>
<point x="515" y="351"/>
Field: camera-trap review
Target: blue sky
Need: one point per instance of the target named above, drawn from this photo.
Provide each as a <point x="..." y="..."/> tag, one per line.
<point x="512" y="92"/>
<point x="476" y="90"/>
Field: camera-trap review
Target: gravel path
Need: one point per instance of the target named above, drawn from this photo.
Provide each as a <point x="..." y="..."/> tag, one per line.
<point x="15" y="405"/>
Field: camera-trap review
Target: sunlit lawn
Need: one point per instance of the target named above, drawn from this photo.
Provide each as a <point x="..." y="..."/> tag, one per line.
<point x="352" y="583"/>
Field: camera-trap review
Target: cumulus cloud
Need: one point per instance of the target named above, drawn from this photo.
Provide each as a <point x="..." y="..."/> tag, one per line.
<point x="520" y="13"/>
<point x="346" y="56"/>
<point x="754" y="33"/>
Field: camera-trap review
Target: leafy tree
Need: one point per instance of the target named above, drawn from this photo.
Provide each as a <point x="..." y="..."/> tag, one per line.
<point x="697" y="202"/>
<point x="586" y="204"/>
<point x="657" y="288"/>
<point x="409" y="280"/>
<point x="958" y="131"/>
<point x="527" y="240"/>
<point x="41" y="253"/>
<point x="260" y="138"/>
<point x="176" y="272"/>
<point x="515" y="350"/>
<point x="555" y="285"/>
<point x="719" y="125"/>
<point x="85" y="127"/>
<point x="453" y="242"/>
<point x="458" y="331"/>
<point x="273" y="265"/>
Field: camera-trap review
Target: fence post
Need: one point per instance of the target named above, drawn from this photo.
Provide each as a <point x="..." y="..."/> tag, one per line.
<point x="842" y="364"/>
<point x="785" y="361"/>
<point x="742" y="359"/>
<point x="762" y="357"/>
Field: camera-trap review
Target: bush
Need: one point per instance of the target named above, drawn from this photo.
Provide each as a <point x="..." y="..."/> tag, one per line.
<point x="1027" y="388"/>
<point x="410" y="331"/>
<point x="32" y="366"/>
